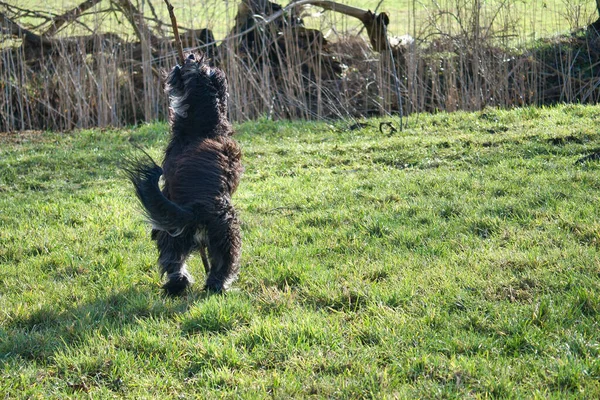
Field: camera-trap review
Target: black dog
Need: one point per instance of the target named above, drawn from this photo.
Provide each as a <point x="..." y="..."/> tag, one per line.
<point x="201" y="170"/>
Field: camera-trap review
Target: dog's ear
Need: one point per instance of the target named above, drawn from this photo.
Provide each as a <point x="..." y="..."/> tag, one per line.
<point x="219" y="81"/>
<point x="174" y="82"/>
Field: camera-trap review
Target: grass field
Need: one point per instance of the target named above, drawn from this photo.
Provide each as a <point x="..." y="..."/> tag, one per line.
<point x="458" y="258"/>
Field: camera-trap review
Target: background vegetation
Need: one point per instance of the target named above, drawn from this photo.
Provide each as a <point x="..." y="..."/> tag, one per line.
<point x="458" y="258"/>
<point x="104" y="67"/>
<point x="533" y="18"/>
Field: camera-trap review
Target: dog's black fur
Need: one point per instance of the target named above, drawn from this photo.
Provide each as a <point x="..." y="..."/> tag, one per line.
<point x="201" y="171"/>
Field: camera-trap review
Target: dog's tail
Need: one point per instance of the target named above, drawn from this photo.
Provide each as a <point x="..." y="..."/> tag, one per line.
<point x="162" y="213"/>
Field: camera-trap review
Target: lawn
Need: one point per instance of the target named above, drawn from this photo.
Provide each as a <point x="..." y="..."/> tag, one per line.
<point x="457" y="258"/>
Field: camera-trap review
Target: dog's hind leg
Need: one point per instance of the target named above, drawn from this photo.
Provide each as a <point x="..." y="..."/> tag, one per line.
<point x="224" y="248"/>
<point x="173" y="252"/>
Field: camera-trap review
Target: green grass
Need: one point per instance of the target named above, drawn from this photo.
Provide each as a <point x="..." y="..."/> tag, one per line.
<point x="458" y="258"/>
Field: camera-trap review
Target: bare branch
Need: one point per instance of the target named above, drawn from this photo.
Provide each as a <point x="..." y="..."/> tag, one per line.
<point x="136" y="19"/>
<point x="69" y="16"/>
<point x="17" y="30"/>
<point x="24" y="12"/>
<point x="155" y="18"/>
<point x="376" y="24"/>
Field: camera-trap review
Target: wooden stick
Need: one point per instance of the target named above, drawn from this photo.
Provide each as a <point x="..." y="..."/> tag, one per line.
<point x="175" y="32"/>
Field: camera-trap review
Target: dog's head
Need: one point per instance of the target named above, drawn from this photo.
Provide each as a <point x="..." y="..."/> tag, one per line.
<point x="198" y="91"/>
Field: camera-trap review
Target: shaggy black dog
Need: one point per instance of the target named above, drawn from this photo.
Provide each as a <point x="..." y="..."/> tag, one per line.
<point x="201" y="170"/>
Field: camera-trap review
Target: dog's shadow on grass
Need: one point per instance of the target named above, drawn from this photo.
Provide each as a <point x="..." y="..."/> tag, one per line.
<point x="46" y="331"/>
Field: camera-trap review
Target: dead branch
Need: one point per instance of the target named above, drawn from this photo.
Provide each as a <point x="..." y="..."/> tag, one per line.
<point x="17" y="30"/>
<point x="375" y="24"/>
<point x="137" y="21"/>
<point x="155" y="19"/>
<point x="70" y="16"/>
<point x="375" y="12"/>
<point x="24" y="12"/>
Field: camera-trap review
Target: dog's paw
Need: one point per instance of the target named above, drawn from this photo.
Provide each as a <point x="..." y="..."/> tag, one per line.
<point x="177" y="284"/>
<point x="215" y="288"/>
